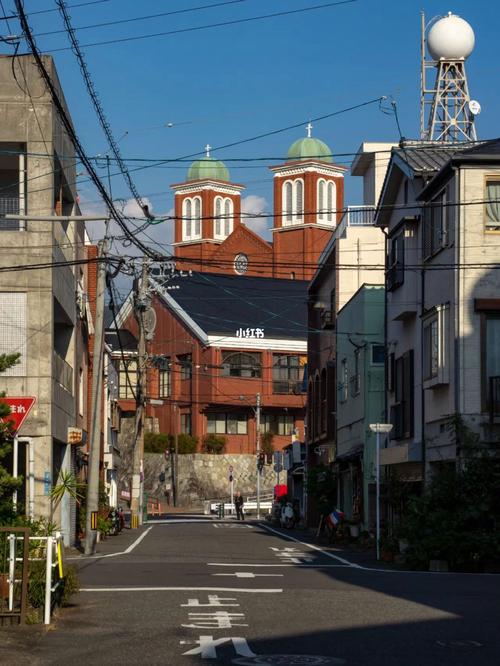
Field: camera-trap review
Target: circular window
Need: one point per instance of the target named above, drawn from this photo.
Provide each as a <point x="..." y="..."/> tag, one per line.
<point x="241" y="264"/>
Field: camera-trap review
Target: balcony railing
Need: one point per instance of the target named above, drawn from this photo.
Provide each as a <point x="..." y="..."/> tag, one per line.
<point x="63" y="373"/>
<point x="355" y="216"/>
<point x="494" y="398"/>
<point x="9" y="205"/>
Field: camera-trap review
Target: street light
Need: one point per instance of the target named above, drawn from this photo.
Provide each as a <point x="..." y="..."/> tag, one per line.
<point x="378" y="428"/>
<point x="256" y="411"/>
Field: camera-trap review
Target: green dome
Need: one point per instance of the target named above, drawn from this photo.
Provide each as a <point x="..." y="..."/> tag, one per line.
<point x="208" y="169"/>
<point x="310" y="148"/>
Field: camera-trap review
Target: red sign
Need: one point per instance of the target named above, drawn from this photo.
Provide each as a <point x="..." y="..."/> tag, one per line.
<point x="19" y="410"/>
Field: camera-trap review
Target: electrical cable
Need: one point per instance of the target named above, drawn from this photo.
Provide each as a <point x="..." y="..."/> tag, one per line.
<point x="76" y="142"/>
<point x="210" y="26"/>
<point x="106" y="127"/>
<point x="136" y="19"/>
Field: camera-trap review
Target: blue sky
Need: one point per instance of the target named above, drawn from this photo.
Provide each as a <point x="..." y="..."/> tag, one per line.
<point x="225" y="84"/>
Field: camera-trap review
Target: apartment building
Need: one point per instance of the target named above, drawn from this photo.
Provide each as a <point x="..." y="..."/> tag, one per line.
<point x="439" y="209"/>
<point x="43" y="313"/>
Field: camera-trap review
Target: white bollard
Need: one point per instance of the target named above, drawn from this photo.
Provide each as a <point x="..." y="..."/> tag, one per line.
<point x="48" y="581"/>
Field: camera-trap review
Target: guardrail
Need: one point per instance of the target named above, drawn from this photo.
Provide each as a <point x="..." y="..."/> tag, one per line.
<point x="248" y="507"/>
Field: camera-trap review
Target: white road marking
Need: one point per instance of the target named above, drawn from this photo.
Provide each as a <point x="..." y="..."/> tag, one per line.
<point x="182" y="589"/>
<point x="313" y="547"/>
<point x="247" y="574"/>
<point x="123" y="552"/>
<point x="249" y="564"/>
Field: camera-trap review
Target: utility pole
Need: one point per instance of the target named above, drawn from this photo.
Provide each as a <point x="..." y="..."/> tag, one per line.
<point x="96" y="408"/>
<point x="175" y="467"/>
<point x="141" y="304"/>
<point x="257" y="425"/>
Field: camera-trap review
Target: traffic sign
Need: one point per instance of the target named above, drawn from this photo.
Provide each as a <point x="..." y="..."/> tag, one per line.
<point x="19" y="410"/>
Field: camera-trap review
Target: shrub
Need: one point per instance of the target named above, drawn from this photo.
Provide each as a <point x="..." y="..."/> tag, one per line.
<point x="161" y="442"/>
<point x="213" y="444"/>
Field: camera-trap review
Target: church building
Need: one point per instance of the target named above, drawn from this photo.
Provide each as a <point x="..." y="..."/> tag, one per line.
<point x="210" y="233"/>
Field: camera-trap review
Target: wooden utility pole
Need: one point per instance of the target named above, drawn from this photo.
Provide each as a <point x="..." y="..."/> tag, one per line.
<point x="96" y="407"/>
<point x="175" y="467"/>
<point x="141" y="304"/>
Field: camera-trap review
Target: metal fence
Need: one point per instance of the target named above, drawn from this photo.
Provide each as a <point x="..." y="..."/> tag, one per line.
<point x="9" y="205"/>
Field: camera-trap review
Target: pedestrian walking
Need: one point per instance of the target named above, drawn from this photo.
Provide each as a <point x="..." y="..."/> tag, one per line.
<point x="238" y="505"/>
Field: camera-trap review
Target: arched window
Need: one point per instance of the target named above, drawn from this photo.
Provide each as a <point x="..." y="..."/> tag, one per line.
<point x="223" y="218"/>
<point x="228" y="217"/>
<point x="218" y="218"/>
<point x="187" y="212"/>
<point x="241" y="364"/>
<point x="321" y="199"/>
<point x="197" y="218"/>
<point x="330" y="202"/>
<point x="326" y="201"/>
<point x="287" y="203"/>
<point x="298" y="200"/>
<point x="191" y="219"/>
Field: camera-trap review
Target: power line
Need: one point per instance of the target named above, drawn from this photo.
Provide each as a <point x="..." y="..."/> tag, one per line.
<point x="100" y="111"/>
<point x="74" y="138"/>
<point x="142" y="18"/>
<point x="78" y="4"/>
<point x="209" y="26"/>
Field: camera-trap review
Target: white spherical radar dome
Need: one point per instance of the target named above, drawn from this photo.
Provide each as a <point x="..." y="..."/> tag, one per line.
<point x="451" y="38"/>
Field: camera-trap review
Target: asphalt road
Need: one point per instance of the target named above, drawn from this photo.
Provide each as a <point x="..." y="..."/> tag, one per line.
<point x="229" y="593"/>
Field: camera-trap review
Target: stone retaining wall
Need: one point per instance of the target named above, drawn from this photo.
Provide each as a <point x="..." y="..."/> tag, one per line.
<point x="205" y="476"/>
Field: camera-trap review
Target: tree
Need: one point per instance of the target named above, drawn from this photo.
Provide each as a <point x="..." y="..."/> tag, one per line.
<point x="8" y="484"/>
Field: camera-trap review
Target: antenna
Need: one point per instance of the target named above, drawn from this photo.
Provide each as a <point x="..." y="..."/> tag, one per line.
<point x="446" y="111"/>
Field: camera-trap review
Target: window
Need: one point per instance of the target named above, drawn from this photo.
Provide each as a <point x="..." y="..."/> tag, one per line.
<point x="81" y="391"/>
<point x="13" y="333"/>
<point x="191" y="219"/>
<point x="356" y="378"/>
<point x="222" y="423"/>
<point x="288" y="203"/>
<point x="378" y="355"/>
<point x="435" y="225"/>
<point x="186" y="363"/>
<point x="164" y="382"/>
<point x="277" y="424"/>
<point x="186" y="424"/>
<point x="223" y="217"/>
<point x="287" y="373"/>
<point x="127" y="378"/>
<point x="293" y="202"/>
<point x="344" y="380"/>
<point x="435" y="346"/>
<point x="491" y="362"/>
<point x="326" y="201"/>
<point x="492" y="196"/>
<point x="402" y="411"/>
<point x="241" y="364"/>
<point x="396" y="262"/>
<point x="431" y="349"/>
<point x="323" y="402"/>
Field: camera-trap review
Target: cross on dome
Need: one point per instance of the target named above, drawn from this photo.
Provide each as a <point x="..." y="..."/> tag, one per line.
<point x="208" y="148"/>
<point x="309" y="129"/>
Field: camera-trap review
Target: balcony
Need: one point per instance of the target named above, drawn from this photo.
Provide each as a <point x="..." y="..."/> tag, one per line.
<point x="63" y="373"/>
<point x="9" y="205"/>
<point x="355" y="216"/>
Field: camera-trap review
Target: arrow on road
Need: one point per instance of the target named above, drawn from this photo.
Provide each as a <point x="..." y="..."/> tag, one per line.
<point x="246" y="574"/>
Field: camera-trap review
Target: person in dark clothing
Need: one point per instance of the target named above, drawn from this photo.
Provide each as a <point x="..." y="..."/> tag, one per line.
<point x="238" y="504"/>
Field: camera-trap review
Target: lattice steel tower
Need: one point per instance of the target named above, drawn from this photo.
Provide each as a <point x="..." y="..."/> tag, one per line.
<point x="446" y="112"/>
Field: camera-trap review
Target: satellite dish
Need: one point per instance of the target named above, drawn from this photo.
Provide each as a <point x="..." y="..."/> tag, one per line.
<point x="149" y="319"/>
<point x="474" y="107"/>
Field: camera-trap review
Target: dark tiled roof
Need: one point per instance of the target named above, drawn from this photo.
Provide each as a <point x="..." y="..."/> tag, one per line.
<point x="425" y="157"/>
<point x="483" y="149"/>
<point x="221" y="304"/>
